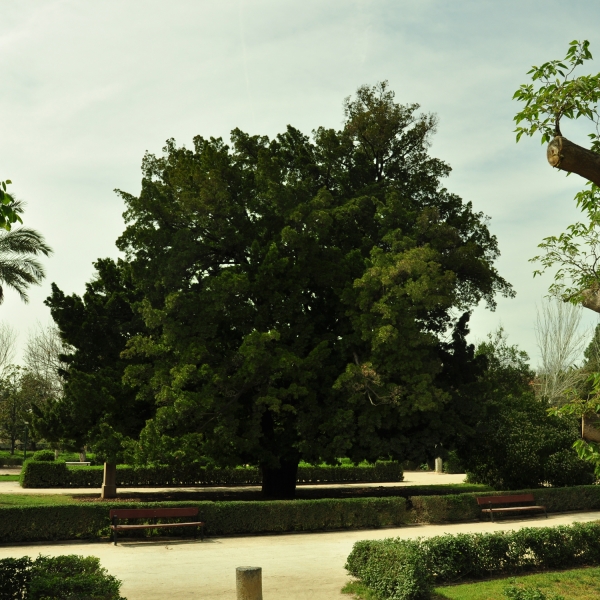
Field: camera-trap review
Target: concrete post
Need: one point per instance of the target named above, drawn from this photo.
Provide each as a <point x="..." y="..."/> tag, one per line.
<point x="438" y="465"/>
<point x="109" y="485"/>
<point x="248" y="583"/>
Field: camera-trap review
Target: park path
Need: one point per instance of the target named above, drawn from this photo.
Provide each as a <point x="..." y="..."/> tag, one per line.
<point x="410" y="478"/>
<point x="308" y="566"/>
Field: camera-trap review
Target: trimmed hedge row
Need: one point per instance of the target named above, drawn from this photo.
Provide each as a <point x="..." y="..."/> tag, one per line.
<point x="57" y="577"/>
<point x="88" y="520"/>
<point x="463" y="507"/>
<point x="398" y="569"/>
<point x="36" y="474"/>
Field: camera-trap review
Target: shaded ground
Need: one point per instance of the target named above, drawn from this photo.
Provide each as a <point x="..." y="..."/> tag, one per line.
<point x="426" y="482"/>
<point x="295" y="566"/>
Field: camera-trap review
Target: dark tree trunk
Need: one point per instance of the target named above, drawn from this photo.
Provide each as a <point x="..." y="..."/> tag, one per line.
<point x="280" y="483"/>
<point x="567" y="156"/>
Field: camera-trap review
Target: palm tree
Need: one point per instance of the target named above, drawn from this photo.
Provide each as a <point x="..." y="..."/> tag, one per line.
<point x="18" y="266"/>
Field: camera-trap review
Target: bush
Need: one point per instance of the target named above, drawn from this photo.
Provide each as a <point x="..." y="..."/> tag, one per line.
<point x="528" y="593"/>
<point x="407" y="569"/>
<point x="43" y="474"/>
<point x="57" y="578"/>
<point x="89" y="520"/>
<point x="463" y="507"/>
<point x="452" y="463"/>
<point x="518" y="445"/>
<point x="43" y="455"/>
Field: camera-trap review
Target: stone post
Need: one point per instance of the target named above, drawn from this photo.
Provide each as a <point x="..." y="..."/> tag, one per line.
<point x="109" y="485"/>
<point x="248" y="583"/>
<point x="438" y="465"/>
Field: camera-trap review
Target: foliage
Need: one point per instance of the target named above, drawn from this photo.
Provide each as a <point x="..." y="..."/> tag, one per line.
<point x="559" y="95"/>
<point x="575" y="252"/>
<point x="8" y="214"/>
<point x="61" y="577"/>
<point x="297" y="293"/>
<point x="90" y="520"/>
<point x="19" y="267"/>
<point x="43" y="455"/>
<point x="401" y="569"/>
<point x="14" y="406"/>
<point x="452" y="463"/>
<point x="95" y="406"/>
<point x="513" y="592"/>
<point x="455" y="508"/>
<point x="40" y="475"/>
<point x="516" y="443"/>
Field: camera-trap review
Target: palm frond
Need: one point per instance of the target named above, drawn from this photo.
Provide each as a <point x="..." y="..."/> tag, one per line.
<point x="18" y="268"/>
<point x="23" y="241"/>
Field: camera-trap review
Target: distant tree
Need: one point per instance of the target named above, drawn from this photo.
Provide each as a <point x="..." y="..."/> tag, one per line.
<point x="298" y="294"/>
<point x="561" y="344"/>
<point x="14" y="407"/>
<point x="44" y="359"/>
<point x="19" y="268"/>
<point x="8" y="342"/>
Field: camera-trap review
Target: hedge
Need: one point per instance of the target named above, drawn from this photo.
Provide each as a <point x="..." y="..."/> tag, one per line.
<point x="398" y="569"/>
<point x="463" y="507"/>
<point x="89" y="520"/>
<point x="37" y="474"/>
<point x="68" y="577"/>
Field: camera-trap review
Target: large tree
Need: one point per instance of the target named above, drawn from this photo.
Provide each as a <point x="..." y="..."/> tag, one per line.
<point x="298" y="294"/>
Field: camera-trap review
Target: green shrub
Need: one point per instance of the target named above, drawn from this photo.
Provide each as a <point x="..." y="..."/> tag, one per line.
<point x="90" y="520"/>
<point x="454" y="508"/>
<point x="452" y="463"/>
<point x="401" y="569"/>
<point x="43" y="455"/>
<point x="519" y="445"/>
<point x="512" y="592"/>
<point x="40" y="474"/>
<point x="57" y="578"/>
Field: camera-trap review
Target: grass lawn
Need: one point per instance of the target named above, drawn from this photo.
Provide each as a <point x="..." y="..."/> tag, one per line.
<point x="575" y="584"/>
<point x="34" y="499"/>
<point x="9" y="478"/>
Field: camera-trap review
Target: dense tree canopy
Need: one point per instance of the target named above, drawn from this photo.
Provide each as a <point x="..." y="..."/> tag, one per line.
<point x="298" y="294"/>
<point x="95" y="404"/>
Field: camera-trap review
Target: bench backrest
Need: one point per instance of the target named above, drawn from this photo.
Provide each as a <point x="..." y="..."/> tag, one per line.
<point x="149" y="513"/>
<point x="513" y="499"/>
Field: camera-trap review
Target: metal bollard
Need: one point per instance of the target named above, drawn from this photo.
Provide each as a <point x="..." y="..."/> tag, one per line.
<point x="438" y="465"/>
<point x="248" y="583"/>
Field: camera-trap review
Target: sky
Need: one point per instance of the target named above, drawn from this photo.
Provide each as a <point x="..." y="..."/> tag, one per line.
<point x="88" y="87"/>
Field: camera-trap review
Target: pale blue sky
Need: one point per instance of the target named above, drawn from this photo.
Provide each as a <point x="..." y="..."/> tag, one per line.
<point x="87" y="87"/>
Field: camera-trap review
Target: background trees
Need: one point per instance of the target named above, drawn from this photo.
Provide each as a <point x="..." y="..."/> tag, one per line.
<point x="297" y="294"/>
<point x="94" y="405"/>
<point x="516" y="444"/>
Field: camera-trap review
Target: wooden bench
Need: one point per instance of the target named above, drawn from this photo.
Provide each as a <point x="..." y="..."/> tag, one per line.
<point x="154" y="513"/>
<point x="490" y="501"/>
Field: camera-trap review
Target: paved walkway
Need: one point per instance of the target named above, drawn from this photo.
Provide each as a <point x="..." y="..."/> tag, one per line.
<point x="410" y="478"/>
<point x="295" y="566"/>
